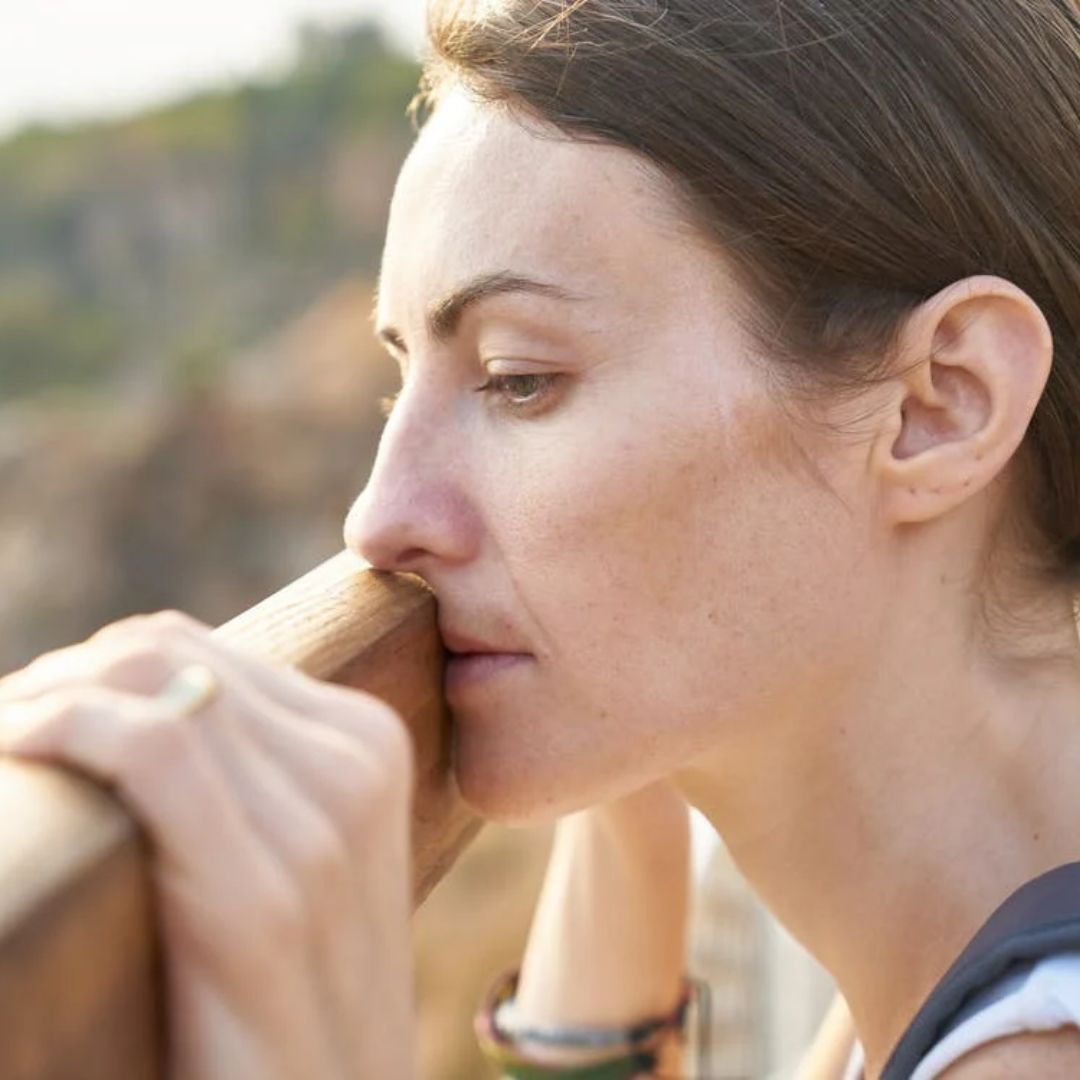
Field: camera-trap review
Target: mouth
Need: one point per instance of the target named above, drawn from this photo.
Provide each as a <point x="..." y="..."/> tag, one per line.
<point x="468" y="670"/>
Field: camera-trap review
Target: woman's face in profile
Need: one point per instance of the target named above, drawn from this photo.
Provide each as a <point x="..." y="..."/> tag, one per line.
<point x="626" y="501"/>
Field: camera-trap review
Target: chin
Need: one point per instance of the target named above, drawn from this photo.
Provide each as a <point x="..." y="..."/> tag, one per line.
<point x="508" y="786"/>
<point x="512" y="782"/>
<point x="504" y="796"/>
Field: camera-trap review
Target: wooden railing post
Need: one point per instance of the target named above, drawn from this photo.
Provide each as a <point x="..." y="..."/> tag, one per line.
<point x="79" y="969"/>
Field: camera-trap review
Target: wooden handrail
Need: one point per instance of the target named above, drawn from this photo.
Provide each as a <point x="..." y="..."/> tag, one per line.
<point x="79" y="969"/>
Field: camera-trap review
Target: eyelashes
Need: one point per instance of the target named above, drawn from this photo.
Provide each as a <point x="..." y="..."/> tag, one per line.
<point x="502" y="385"/>
<point x="533" y="391"/>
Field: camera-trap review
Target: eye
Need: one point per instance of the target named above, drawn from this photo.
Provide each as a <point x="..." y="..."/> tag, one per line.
<point x="520" y="392"/>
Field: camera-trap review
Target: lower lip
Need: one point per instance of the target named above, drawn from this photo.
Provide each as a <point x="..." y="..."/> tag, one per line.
<point x="470" y="669"/>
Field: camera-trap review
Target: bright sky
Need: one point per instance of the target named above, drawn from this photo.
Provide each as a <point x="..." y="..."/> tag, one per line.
<point x="62" y="59"/>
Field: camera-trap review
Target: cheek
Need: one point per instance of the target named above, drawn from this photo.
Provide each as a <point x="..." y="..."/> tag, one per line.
<point x="630" y="523"/>
<point x="685" y="577"/>
<point x="672" y="566"/>
<point x="640" y="536"/>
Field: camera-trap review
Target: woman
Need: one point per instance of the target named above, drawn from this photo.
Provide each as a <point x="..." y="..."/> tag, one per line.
<point x="740" y="346"/>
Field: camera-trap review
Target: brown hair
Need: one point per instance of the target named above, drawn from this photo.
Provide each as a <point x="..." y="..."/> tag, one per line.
<point x="854" y="157"/>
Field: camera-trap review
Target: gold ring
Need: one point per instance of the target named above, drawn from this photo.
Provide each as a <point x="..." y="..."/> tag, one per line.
<point x="190" y="689"/>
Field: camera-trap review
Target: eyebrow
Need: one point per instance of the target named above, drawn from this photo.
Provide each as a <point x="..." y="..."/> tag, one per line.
<point x="445" y="315"/>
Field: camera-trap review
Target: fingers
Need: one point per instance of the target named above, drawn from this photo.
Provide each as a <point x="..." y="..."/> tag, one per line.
<point x="311" y="787"/>
<point x="235" y="842"/>
<point x="352" y="744"/>
<point x="315" y="856"/>
<point x="163" y="768"/>
<point x="346" y="751"/>
<point x="128" y="664"/>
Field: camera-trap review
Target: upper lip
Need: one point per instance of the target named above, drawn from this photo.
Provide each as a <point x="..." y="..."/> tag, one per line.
<point x="457" y="642"/>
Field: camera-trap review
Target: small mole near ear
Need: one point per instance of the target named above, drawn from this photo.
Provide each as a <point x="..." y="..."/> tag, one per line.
<point x="911" y="491"/>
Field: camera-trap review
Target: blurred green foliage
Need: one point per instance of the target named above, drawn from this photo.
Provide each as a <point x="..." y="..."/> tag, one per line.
<point x="148" y="248"/>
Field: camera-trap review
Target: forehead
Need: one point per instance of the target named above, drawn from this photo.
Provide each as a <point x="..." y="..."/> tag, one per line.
<point x="485" y="190"/>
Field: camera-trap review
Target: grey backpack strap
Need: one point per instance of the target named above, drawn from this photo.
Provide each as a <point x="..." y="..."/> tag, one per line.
<point x="1039" y="919"/>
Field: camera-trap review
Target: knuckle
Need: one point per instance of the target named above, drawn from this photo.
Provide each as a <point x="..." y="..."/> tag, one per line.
<point x="378" y="730"/>
<point x="120" y="662"/>
<point x="61" y="709"/>
<point x="354" y="791"/>
<point x="133" y="664"/>
<point x="51" y="663"/>
<point x="375" y="779"/>
<point x="130" y="624"/>
<point x="131" y="628"/>
<point x="376" y="793"/>
<point x="282" y="911"/>
<point x="321" y="859"/>
<point x="166" y="623"/>
<point x="171" y="621"/>
<point x="387" y="733"/>
<point x="346" y="769"/>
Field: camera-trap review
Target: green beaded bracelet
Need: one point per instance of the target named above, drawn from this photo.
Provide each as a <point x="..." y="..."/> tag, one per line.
<point x="633" y="1053"/>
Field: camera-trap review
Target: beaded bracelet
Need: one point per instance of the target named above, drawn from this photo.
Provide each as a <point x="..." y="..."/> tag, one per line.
<point x="632" y="1050"/>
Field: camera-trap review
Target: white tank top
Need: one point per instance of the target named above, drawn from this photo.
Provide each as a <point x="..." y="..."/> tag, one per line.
<point x="1039" y="996"/>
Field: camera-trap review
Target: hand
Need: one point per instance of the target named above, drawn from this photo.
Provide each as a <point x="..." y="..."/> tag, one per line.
<point x="279" y="819"/>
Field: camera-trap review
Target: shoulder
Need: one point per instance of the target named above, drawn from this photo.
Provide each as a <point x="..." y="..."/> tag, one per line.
<point x="1049" y="1055"/>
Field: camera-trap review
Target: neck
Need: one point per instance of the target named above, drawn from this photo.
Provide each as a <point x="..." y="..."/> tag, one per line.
<point x="883" y="824"/>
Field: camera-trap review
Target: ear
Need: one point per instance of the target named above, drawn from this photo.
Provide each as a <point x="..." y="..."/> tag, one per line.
<point x="974" y="362"/>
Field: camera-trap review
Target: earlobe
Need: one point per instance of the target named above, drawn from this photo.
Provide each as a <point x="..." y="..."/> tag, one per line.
<point x="974" y="362"/>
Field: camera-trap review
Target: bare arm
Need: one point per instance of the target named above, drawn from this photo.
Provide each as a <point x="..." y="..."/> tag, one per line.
<point x="828" y="1055"/>
<point x="608" y="941"/>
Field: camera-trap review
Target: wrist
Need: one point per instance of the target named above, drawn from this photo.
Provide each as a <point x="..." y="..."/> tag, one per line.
<point x="592" y="1051"/>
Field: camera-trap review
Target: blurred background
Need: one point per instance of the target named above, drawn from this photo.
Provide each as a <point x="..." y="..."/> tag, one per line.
<point x="192" y="202"/>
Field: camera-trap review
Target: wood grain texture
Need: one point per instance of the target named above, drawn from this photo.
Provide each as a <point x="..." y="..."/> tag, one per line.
<point x="349" y="624"/>
<point x="79" y="972"/>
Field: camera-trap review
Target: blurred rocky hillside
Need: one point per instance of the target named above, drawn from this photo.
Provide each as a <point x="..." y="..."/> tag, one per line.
<point x="206" y="499"/>
<point x="142" y="253"/>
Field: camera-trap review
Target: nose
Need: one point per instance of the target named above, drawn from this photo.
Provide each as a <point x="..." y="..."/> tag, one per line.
<point x="413" y="512"/>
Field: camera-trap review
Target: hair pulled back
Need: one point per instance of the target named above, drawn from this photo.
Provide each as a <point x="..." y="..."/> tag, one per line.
<point x="853" y="157"/>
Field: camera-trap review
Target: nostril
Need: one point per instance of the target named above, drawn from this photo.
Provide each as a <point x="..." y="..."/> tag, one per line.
<point x="381" y="541"/>
<point x="407" y="559"/>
